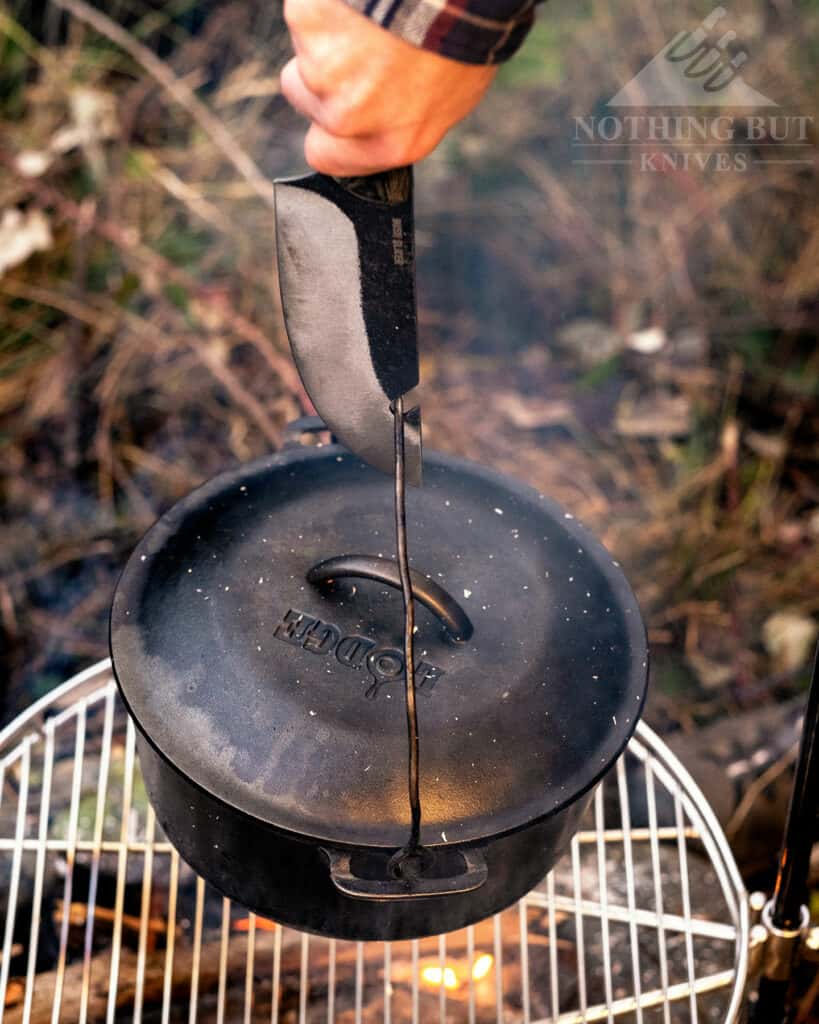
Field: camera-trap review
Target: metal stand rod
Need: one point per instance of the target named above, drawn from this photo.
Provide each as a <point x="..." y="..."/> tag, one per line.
<point x="785" y="914"/>
<point x="770" y="1004"/>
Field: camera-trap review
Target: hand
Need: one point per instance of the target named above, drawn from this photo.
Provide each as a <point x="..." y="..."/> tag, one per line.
<point x="374" y="101"/>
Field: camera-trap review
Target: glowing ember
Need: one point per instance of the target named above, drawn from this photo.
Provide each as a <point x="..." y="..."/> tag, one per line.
<point x="482" y="966"/>
<point x="434" y="976"/>
<point x="263" y="924"/>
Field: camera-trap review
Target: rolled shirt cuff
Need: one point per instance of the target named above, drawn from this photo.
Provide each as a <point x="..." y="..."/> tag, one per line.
<point x="471" y="31"/>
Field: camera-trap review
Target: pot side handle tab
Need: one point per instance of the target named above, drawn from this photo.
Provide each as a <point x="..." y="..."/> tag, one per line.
<point x="384" y="570"/>
<point x="471" y="877"/>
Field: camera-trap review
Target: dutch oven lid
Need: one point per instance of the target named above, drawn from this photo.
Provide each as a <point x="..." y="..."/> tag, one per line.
<point x="284" y="699"/>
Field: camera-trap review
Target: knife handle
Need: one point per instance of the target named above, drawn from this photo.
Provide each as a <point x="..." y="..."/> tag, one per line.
<point x="392" y="187"/>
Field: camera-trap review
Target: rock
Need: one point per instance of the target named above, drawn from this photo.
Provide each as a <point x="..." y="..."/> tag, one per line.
<point x="533" y="413"/>
<point x="768" y="446"/>
<point x="726" y="759"/>
<point x="21" y="235"/>
<point x="648" y="341"/>
<point x="690" y="345"/>
<point x="591" y="341"/>
<point x="710" y="955"/>
<point x="654" y="415"/>
<point x="711" y="674"/>
<point x="789" y="637"/>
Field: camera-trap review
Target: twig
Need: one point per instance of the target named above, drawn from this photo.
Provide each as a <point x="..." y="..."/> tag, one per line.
<point x="753" y="791"/>
<point x="180" y="92"/>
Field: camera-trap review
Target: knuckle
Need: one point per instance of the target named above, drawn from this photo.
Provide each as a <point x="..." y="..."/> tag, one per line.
<point x="340" y="118"/>
<point x="296" y="13"/>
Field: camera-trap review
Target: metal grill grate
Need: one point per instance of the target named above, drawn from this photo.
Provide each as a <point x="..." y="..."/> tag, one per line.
<point x="644" y="920"/>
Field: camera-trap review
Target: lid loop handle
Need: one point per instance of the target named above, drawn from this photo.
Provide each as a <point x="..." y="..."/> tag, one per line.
<point x="384" y="570"/>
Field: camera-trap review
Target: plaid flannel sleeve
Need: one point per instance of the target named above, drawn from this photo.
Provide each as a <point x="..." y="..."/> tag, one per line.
<point x="474" y="31"/>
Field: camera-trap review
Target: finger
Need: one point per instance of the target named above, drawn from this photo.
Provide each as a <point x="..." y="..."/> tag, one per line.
<point x="297" y="93"/>
<point x="346" y="157"/>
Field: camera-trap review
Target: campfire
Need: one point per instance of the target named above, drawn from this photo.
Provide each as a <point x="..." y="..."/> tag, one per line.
<point x="233" y="956"/>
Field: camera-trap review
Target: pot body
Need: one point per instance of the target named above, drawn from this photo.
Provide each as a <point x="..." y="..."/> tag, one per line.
<point x="287" y="878"/>
<point x="257" y="635"/>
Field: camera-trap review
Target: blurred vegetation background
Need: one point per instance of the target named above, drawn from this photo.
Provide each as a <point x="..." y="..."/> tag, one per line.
<point x="640" y="345"/>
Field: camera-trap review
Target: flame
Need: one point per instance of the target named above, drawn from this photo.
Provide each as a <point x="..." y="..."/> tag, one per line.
<point x="482" y="966"/>
<point x="453" y="976"/>
<point x="435" y="976"/>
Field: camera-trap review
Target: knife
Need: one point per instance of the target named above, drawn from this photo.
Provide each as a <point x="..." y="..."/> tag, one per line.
<point x="346" y="252"/>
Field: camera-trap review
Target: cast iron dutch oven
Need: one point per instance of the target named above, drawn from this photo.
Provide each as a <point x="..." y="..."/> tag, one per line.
<point x="267" y="690"/>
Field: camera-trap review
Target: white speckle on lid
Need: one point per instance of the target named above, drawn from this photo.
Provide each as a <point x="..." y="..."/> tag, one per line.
<point x="614" y="719"/>
<point x="368" y="768"/>
<point x="261" y="579"/>
<point x="339" y="458"/>
<point x="142" y="558"/>
<point x="447" y="503"/>
<point x="443" y="836"/>
<point x="312" y="714"/>
<point x="243" y="489"/>
<point x="568" y="515"/>
<point x="525" y="587"/>
<point x="498" y="511"/>
<point x="258" y="648"/>
<point x="227" y="588"/>
<point x="504" y="695"/>
<point x="467" y="593"/>
<point x="190" y="570"/>
<point x="595" y="677"/>
<point x="571" y="579"/>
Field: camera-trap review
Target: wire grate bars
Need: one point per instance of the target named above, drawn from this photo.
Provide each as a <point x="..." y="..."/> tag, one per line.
<point x="644" y="920"/>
